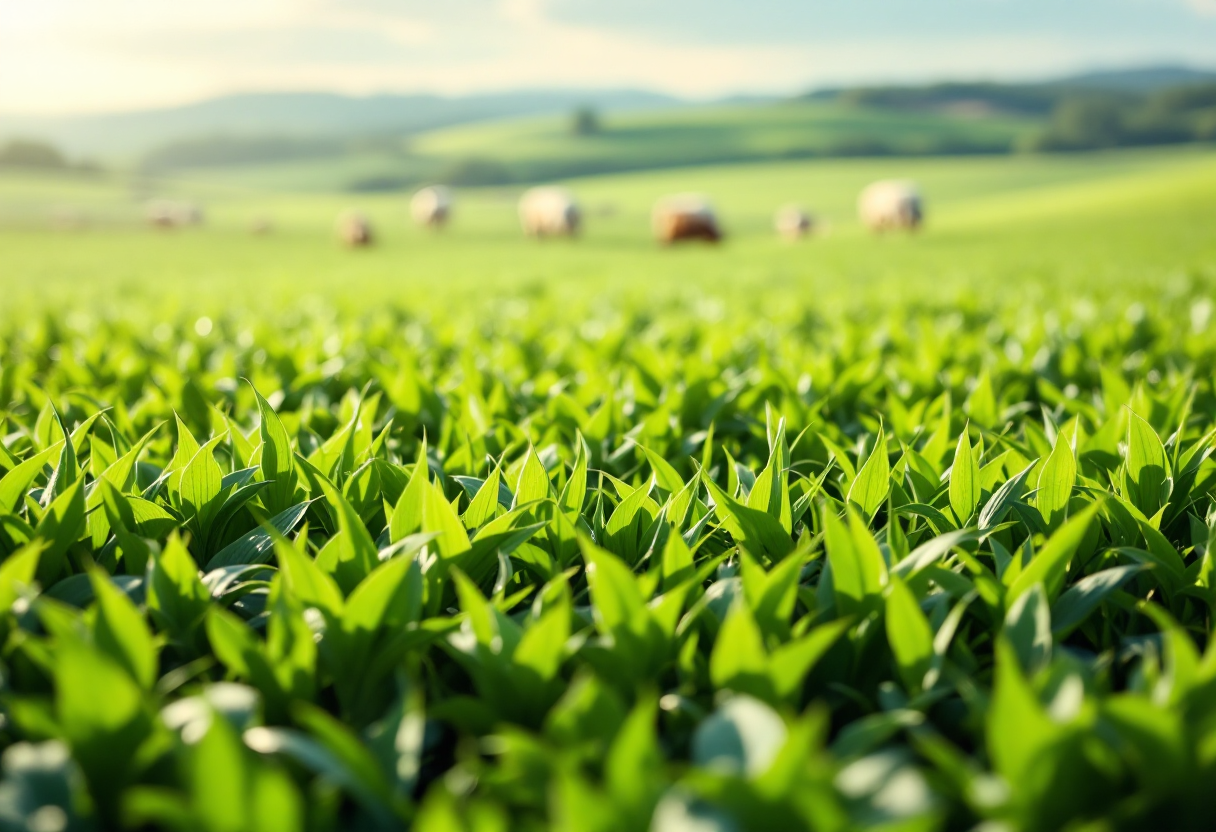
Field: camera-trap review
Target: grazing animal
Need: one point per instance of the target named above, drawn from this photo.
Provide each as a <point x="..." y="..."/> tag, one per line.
<point x="167" y="213"/>
<point x="354" y="230"/>
<point x="261" y="226"/>
<point x="793" y="223"/>
<point x="891" y="205"/>
<point x="549" y="212"/>
<point x="432" y="207"/>
<point x="685" y="217"/>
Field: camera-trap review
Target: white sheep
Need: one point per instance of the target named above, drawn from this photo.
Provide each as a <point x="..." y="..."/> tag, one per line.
<point x="432" y="207"/>
<point x="354" y="229"/>
<point x="549" y="212"/>
<point x="793" y="223"/>
<point x="891" y="205"/>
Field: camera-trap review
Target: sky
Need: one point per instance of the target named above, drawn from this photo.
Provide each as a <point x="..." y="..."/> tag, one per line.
<point x="75" y="56"/>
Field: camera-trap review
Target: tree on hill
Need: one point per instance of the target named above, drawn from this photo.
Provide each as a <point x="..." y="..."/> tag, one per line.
<point x="27" y="153"/>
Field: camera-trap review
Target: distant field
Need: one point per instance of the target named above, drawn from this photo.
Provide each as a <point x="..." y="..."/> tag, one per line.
<point x="539" y="148"/>
<point x="1118" y="215"/>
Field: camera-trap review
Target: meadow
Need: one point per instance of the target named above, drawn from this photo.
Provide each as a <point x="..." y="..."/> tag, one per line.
<point x="470" y="532"/>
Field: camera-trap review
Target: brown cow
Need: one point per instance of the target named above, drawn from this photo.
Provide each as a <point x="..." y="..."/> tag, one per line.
<point x="685" y="217"/>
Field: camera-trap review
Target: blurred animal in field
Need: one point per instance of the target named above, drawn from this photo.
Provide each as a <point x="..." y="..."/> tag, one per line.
<point x="549" y="212"/>
<point x="261" y="226"/>
<point x="354" y="230"/>
<point x="793" y="223"/>
<point x="168" y="213"/>
<point x="891" y="205"/>
<point x="685" y="217"/>
<point x="68" y="219"/>
<point x="432" y="207"/>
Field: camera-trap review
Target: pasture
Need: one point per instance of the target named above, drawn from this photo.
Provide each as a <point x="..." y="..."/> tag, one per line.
<point x="465" y="531"/>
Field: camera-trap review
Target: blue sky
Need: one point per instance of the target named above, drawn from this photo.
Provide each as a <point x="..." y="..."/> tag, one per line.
<point x="91" y="55"/>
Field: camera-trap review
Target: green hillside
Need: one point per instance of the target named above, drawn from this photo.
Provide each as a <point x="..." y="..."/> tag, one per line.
<point x="544" y="148"/>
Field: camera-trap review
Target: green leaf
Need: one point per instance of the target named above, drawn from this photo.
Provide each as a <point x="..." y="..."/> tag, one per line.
<point x="533" y="480"/>
<point x="869" y="490"/>
<point x="407" y="515"/>
<point x="791" y="662"/>
<point x="16" y="482"/>
<point x="177" y="598"/>
<point x="964" y="481"/>
<point x="1083" y="597"/>
<point x="909" y="635"/>
<point x="440" y="519"/>
<point x="61" y="526"/>
<point x="1050" y="563"/>
<point x="1017" y="728"/>
<point x="120" y="630"/>
<point x="858" y="570"/>
<point x="484" y="506"/>
<point x="1147" y="467"/>
<point x="1056" y="482"/>
<point x="1003" y="499"/>
<point x="255" y="546"/>
<point x="1028" y="629"/>
<point x="306" y="580"/>
<point x="739" y="660"/>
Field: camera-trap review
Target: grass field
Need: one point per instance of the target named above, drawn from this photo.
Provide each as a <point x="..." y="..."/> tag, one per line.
<point x="470" y="532"/>
<point x="533" y="149"/>
<point x="1123" y="216"/>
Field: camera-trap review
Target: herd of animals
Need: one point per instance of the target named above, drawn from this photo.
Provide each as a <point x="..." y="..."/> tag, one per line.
<point x="549" y="211"/>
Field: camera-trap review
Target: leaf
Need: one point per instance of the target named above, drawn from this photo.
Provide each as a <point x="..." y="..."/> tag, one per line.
<point x="16" y="482"/>
<point x="256" y="546"/>
<point x="61" y="526"/>
<point x="909" y="635"/>
<point x="484" y="506"/>
<point x="1147" y="466"/>
<point x="306" y="580"/>
<point x="858" y="571"/>
<point x="439" y="518"/>
<point x="407" y="515"/>
<point x="665" y="475"/>
<point x="120" y="631"/>
<point x="17" y="574"/>
<point x="177" y="598"/>
<point x="791" y="662"/>
<point x="1083" y="597"/>
<point x="739" y="660"/>
<point x="1056" y="482"/>
<point x="1003" y="498"/>
<point x="755" y="530"/>
<point x="964" y="481"/>
<point x="354" y="552"/>
<point x="869" y="490"/>
<point x="1050" y="563"/>
<point x="1018" y="730"/>
<point x="575" y="492"/>
<point x="1028" y="629"/>
<point x="533" y="480"/>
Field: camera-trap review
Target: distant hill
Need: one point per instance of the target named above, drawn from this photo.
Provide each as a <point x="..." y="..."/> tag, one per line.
<point x="306" y="116"/>
<point x="1147" y="79"/>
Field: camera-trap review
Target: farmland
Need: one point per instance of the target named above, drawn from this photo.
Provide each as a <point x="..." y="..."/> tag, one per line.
<point x="463" y="531"/>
